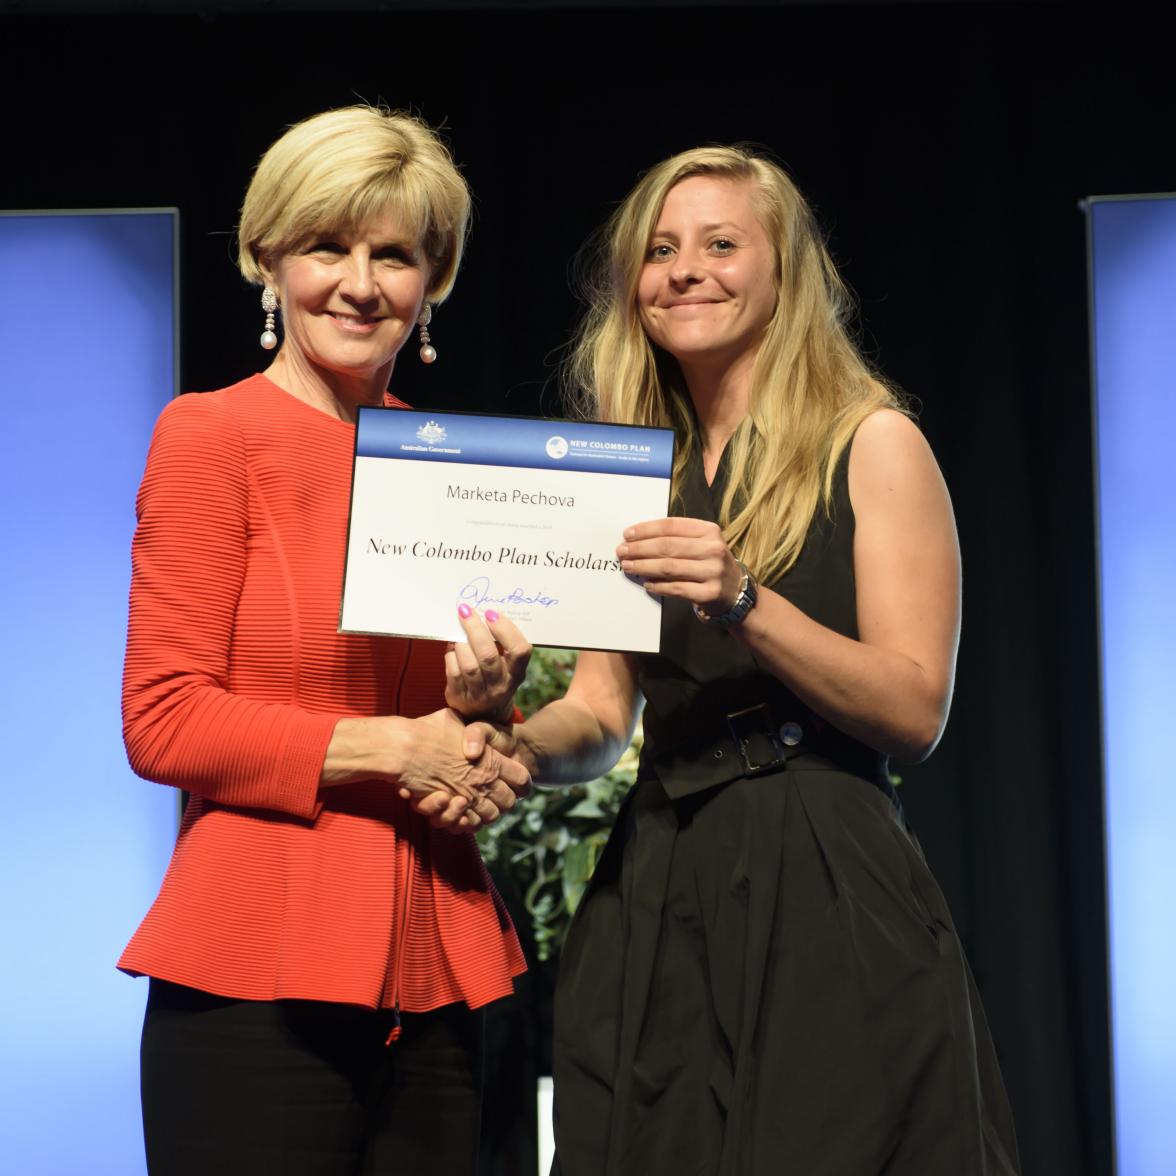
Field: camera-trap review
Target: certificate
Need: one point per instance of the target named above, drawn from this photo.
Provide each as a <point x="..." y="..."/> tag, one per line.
<point x="516" y="514"/>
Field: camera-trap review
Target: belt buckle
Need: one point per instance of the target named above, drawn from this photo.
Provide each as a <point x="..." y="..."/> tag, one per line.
<point x="755" y="720"/>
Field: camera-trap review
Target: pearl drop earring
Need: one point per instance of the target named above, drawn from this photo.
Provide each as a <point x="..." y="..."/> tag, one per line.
<point x="269" y="303"/>
<point x="428" y="351"/>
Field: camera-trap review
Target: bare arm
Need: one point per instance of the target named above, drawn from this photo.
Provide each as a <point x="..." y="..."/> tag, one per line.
<point x="577" y="737"/>
<point x="891" y="688"/>
<point x="581" y="735"/>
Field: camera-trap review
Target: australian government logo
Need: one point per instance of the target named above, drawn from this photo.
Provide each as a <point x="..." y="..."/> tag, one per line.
<point x="431" y="433"/>
<point x="433" y="436"/>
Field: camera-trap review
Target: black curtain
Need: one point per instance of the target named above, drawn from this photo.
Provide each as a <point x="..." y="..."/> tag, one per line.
<point x="945" y="147"/>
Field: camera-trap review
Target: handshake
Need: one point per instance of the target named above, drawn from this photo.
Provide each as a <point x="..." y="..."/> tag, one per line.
<point x="471" y="767"/>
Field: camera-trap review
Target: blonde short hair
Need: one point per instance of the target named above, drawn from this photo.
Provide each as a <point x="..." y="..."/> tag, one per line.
<point x="343" y="168"/>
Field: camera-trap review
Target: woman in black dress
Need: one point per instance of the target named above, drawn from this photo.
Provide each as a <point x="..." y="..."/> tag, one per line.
<point x="763" y="976"/>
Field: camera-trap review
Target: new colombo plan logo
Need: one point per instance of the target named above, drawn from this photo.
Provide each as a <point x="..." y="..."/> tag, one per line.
<point x="431" y="433"/>
<point x="557" y="447"/>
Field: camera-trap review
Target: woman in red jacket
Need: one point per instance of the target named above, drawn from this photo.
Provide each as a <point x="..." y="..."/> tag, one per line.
<point x="325" y="898"/>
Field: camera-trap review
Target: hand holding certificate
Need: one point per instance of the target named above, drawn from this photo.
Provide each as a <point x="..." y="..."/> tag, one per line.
<point x="522" y="516"/>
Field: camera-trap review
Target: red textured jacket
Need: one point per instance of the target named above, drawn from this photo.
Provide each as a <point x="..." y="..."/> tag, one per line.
<point x="235" y="678"/>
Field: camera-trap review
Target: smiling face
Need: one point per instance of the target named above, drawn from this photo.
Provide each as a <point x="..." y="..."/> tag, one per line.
<point x="707" y="289"/>
<point x="350" y="299"/>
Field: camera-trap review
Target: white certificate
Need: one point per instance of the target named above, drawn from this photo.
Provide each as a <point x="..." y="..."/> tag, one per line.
<point x="515" y="514"/>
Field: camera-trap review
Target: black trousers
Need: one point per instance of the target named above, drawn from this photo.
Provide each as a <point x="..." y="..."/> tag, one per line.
<point x="305" y="1088"/>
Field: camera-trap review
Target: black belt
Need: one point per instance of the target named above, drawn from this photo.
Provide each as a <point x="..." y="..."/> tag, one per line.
<point x="763" y="746"/>
<point x="754" y="741"/>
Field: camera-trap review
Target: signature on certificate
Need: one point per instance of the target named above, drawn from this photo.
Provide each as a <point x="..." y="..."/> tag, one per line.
<point x="479" y="591"/>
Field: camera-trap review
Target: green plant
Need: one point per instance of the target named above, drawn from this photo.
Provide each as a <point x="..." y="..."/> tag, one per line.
<point x="549" y="843"/>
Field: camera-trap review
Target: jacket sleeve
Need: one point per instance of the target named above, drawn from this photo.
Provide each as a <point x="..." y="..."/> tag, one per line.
<point x="181" y="723"/>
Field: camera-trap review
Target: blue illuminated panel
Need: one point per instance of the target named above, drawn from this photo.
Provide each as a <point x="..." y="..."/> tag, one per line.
<point x="87" y="361"/>
<point x="1133" y="268"/>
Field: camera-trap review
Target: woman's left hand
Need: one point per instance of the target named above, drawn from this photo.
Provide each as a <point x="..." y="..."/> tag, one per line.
<point x="683" y="557"/>
<point x="483" y="672"/>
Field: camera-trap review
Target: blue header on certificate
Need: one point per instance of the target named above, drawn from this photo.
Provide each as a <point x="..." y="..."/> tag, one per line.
<point x="514" y="441"/>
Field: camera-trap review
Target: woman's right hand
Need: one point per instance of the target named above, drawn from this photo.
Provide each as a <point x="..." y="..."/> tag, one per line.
<point x="427" y="760"/>
<point x="482" y="738"/>
<point x="453" y="788"/>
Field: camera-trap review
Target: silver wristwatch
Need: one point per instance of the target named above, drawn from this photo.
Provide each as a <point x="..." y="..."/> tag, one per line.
<point x="744" y="603"/>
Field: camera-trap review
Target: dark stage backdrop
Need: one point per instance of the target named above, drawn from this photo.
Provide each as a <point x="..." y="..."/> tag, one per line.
<point x="945" y="148"/>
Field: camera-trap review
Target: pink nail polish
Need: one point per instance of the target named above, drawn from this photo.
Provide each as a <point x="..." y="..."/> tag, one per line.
<point x="464" y="610"/>
<point x="491" y="615"/>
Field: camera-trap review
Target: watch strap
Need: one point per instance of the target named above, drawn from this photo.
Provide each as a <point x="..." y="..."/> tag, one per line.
<point x="743" y="604"/>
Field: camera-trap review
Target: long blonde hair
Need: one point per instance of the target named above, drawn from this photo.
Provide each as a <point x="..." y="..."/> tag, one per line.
<point x="810" y="387"/>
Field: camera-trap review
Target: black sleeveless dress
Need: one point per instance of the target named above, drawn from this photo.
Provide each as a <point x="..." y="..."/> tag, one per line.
<point x="763" y="977"/>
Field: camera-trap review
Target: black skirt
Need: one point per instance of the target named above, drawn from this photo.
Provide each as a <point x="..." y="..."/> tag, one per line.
<point x="763" y="978"/>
